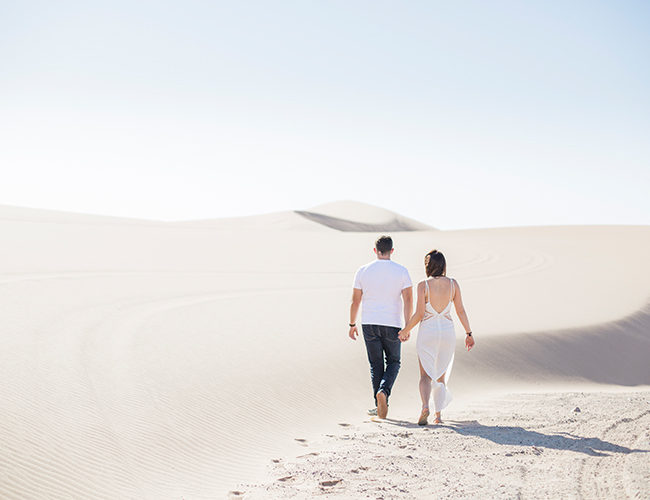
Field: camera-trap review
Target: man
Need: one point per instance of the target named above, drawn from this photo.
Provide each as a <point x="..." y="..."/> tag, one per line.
<point x="386" y="292"/>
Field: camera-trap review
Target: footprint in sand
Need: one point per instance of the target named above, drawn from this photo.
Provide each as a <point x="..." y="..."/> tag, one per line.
<point x="329" y="484"/>
<point x="301" y="442"/>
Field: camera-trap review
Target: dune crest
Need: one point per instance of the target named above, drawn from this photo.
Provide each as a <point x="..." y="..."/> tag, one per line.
<point x="276" y="221"/>
<point x="354" y="216"/>
<point x="24" y="214"/>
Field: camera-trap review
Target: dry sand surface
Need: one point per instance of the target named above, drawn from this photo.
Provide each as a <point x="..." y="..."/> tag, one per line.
<point x="570" y="445"/>
<point x="147" y="360"/>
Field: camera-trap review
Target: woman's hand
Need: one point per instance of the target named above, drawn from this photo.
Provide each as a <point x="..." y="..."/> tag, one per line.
<point x="469" y="342"/>
<point x="404" y="336"/>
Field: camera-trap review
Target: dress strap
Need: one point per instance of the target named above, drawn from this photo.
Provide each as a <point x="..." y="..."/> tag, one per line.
<point x="426" y="283"/>
<point x="451" y="295"/>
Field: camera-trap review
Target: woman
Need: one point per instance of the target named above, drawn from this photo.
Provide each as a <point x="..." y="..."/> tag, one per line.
<point x="436" y="336"/>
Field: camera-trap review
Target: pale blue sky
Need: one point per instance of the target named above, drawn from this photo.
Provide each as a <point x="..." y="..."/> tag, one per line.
<point x="461" y="114"/>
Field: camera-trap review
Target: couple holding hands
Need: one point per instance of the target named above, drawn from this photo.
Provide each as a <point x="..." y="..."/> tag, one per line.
<point x="384" y="290"/>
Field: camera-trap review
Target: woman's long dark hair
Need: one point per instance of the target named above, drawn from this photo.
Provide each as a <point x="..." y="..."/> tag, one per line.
<point x="435" y="264"/>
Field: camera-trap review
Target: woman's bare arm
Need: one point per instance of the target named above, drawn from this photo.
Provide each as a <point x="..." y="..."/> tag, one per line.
<point x="405" y="333"/>
<point x="462" y="316"/>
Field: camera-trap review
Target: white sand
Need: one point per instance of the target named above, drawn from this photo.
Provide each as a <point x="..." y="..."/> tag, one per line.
<point x="174" y="361"/>
<point x="570" y="445"/>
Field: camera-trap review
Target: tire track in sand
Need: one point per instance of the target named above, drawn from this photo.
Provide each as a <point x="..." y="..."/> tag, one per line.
<point x="632" y="475"/>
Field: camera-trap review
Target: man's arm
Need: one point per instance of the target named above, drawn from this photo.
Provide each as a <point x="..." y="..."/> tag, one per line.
<point x="354" y="311"/>
<point x="407" y="298"/>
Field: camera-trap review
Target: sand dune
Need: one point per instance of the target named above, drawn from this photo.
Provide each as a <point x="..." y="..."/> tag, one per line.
<point x="365" y="213"/>
<point x="351" y="216"/>
<point x="161" y="361"/>
<point x="23" y="214"/>
<point x="278" y="221"/>
<point x="613" y="353"/>
<point x="393" y="225"/>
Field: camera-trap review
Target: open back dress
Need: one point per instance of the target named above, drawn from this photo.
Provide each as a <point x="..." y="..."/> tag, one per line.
<point x="435" y="347"/>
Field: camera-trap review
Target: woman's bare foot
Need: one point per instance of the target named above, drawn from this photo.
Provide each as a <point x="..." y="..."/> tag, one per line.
<point x="424" y="416"/>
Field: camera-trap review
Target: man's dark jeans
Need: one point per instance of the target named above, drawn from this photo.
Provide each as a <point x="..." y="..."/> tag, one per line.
<point x="382" y="340"/>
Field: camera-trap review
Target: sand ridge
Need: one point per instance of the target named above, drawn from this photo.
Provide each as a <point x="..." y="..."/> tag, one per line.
<point x="351" y="216"/>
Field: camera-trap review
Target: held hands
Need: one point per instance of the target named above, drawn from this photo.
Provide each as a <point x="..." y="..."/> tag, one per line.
<point x="469" y="342"/>
<point x="354" y="333"/>
<point x="404" y="336"/>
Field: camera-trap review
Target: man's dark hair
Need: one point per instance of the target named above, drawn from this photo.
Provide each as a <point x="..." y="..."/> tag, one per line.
<point x="384" y="244"/>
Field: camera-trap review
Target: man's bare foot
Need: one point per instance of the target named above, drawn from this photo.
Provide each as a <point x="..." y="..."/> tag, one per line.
<point x="424" y="416"/>
<point x="382" y="405"/>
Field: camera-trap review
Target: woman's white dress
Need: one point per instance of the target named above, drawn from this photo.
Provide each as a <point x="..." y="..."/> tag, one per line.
<point x="435" y="347"/>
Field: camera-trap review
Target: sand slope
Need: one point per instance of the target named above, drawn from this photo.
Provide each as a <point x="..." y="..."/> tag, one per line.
<point x="351" y="216"/>
<point x="162" y="361"/>
<point x="348" y="216"/>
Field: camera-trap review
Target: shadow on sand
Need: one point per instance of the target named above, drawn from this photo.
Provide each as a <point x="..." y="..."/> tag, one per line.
<point x="518" y="436"/>
<point x="614" y="353"/>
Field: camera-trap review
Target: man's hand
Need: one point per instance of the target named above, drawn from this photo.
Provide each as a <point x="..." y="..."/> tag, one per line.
<point x="357" y="294"/>
<point x="404" y="336"/>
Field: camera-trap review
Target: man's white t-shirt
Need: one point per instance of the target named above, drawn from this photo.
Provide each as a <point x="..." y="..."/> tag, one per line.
<point x="382" y="282"/>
